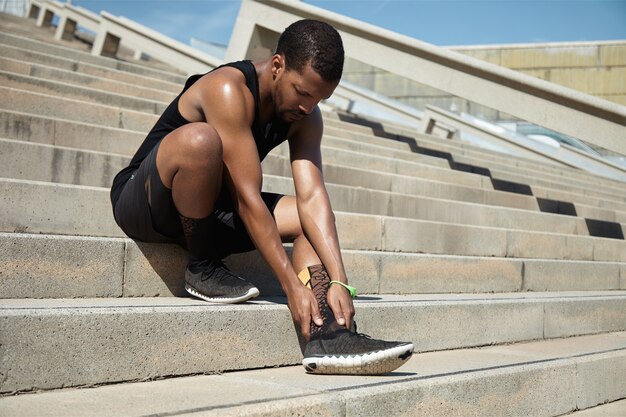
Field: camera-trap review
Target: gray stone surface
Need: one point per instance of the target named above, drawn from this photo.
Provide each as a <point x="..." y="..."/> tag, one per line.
<point x="207" y="395"/>
<point x="570" y="317"/>
<point x="442" y="238"/>
<point x="601" y="379"/>
<point x="33" y="266"/>
<point x="64" y="165"/>
<point x="521" y="244"/>
<point x="525" y="390"/>
<point x="37" y="207"/>
<point x="75" y="110"/>
<point x="573" y="275"/>
<point x="37" y="162"/>
<point x="44" y="86"/>
<point x="154" y="270"/>
<point x="88" y="69"/>
<point x="51" y="347"/>
<point x="49" y="343"/>
<point x="416" y="273"/>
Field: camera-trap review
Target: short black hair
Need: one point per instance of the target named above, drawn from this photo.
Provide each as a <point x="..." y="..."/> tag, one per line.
<point x="311" y="41"/>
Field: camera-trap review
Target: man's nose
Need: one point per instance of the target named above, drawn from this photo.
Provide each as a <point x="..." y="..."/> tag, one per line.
<point x="307" y="108"/>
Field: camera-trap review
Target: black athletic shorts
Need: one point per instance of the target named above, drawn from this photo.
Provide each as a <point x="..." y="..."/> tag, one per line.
<point x="146" y="212"/>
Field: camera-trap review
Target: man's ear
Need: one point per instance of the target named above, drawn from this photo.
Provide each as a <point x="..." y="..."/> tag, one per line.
<point x="278" y="65"/>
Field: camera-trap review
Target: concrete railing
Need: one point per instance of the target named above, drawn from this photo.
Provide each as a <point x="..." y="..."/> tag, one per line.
<point x="174" y="53"/>
<point x="558" y="108"/>
<point x="72" y="17"/>
<point x="522" y="145"/>
<point x="112" y="30"/>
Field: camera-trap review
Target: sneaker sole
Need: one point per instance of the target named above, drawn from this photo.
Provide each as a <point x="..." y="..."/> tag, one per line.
<point x="252" y="292"/>
<point x="374" y="363"/>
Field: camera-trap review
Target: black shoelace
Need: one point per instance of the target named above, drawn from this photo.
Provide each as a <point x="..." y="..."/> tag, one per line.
<point x="215" y="269"/>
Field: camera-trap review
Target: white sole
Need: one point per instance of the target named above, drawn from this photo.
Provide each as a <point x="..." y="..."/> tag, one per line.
<point x="374" y="363"/>
<point x="252" y="292"/>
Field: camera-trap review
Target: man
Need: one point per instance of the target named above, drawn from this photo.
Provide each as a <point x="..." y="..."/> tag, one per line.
<point x="196" y="180"/>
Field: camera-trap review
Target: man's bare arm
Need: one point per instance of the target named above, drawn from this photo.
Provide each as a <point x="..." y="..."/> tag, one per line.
<point x="242" y="174"/>
<point x="314" y="209"/>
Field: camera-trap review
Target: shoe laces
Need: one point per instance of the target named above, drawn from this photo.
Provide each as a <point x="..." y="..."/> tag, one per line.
<point x="216" y="270"/>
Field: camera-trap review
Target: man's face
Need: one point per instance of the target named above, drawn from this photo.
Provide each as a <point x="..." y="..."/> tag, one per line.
<point x="298" y="93"/>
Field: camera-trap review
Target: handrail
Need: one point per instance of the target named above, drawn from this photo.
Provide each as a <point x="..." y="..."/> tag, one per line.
<point x="520" y="145"/>
<point x="580" y="115"/>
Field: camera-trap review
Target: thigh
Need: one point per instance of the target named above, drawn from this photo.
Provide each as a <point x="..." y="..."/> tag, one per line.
<point x="145" y="210"/>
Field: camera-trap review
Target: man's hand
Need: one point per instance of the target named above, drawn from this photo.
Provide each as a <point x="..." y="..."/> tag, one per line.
<point x="340" y="303"/>
<point x="303" y="307"/>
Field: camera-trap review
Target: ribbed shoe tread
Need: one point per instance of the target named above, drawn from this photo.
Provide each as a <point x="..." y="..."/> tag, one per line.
<point x="370" y="363"/>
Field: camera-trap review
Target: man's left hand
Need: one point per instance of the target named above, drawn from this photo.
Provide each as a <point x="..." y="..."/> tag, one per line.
<point x="340" y="303"/>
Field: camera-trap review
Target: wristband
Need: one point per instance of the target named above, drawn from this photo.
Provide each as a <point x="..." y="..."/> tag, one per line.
<point x="350" y="289"/>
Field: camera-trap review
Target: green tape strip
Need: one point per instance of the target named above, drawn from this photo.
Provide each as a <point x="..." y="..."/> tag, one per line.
<point x="350" y="289"/>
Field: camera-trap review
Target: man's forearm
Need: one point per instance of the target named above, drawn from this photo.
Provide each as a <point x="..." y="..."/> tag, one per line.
<point x="318" y="223"/>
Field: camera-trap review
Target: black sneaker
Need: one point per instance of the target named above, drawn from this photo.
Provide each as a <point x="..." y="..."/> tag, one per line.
<point x="347" y="352"/>
<point x="213" y="281"/>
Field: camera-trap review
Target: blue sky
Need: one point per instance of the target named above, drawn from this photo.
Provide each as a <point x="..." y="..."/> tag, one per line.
<point x="440" y="22"/>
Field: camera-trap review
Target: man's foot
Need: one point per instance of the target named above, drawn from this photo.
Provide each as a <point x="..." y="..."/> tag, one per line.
<point x="213" y="281"/>
<point x="347" y="352"/>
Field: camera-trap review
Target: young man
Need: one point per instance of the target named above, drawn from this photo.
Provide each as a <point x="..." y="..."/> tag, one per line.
<point x="196" y="180"/>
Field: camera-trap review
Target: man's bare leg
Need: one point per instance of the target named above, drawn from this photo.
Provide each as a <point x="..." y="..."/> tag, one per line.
<point x="304" y="255"/>
<point x="333" y="349"/>
<point x="189" y="162"/>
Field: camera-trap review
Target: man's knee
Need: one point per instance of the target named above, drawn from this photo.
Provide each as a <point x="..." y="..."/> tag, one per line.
<point x="201" y="143"/>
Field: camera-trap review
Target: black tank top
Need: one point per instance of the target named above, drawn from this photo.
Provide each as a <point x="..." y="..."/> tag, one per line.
<point x="266" y="137"/>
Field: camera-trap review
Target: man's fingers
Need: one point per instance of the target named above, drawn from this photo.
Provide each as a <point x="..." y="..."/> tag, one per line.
<point x="305" y="327"/>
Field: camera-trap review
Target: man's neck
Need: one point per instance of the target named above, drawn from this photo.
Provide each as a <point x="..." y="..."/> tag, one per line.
<point x="266" y="83"/>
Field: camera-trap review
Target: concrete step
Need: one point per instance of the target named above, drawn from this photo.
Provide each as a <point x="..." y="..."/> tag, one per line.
<point x="136" y="121"/>
<point x="53" y="131"/>
<point x="87" y="69"/>
<point x="129" y="101"/>
<point x="66" y="133"/>
<point x="72" y="77"/>
<point x="466" y="153"/>
<point x="51" y="344"/>
<point x="86" y="211"/>
<point x="530" y="173"/>
<point x="457" y="148"/>
<point x="85" y="112"/>
<point x="75" y="110"/>
<point x="37" y="162"/>
<point x="545" y="378"/>
<point x="24" y="42"/>
<point x="92" y="95"/>
<point x="51" y="266"/>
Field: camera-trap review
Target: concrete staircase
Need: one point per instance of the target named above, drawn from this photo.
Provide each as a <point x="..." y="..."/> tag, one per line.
<point x="508" y="274"/>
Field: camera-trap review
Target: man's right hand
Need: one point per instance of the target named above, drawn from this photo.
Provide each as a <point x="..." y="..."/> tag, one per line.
<point x="304" y="307"/>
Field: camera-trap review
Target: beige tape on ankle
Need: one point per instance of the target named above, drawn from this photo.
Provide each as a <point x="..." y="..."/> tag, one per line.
<point x="305" y="277"/>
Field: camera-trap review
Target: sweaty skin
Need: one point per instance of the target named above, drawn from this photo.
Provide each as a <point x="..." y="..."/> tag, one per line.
<point x="221" y="101"/>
